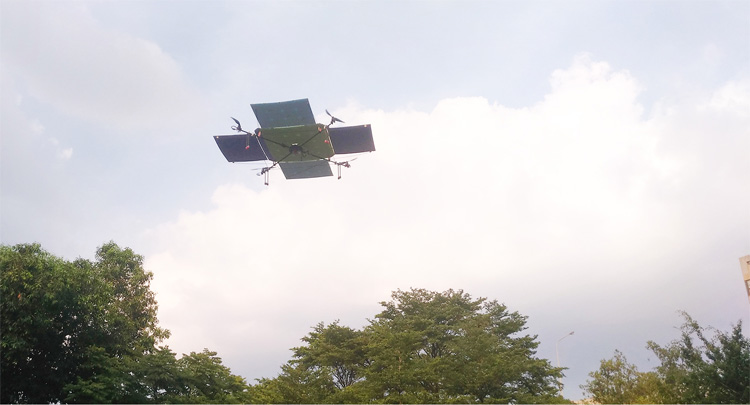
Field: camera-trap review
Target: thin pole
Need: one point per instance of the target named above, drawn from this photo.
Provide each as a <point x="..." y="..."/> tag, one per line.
<point x="557" y="353"/>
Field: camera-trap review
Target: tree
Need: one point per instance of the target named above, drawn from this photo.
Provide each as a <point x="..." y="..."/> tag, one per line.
<point x="87" y="332"/>
<point x="51" y="313"/>
<point x="131" y="310"/>
<point x="295" y="385"/>
<point x="619" y="382"/>
<point x="338" y="350"/>
<point x="159" y="376"/>
<point x="207" y="380"/>
<point x="693" y="369"/>
<point x="125" y="328"/>
<point x="424" y="347"/>
<point x="705" y="369"/>
<point x="444" y="347"/>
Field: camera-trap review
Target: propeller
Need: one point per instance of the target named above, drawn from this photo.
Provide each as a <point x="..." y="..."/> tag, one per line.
<point x="238" y="127"/>
<point x="333" y="119"/>
<point x="264" y="170"/>
<point x="346" y="163"/>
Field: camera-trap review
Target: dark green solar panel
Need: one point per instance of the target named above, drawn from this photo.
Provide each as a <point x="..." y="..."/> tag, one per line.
<point x="313" y="142"/>
<point x="242" y="148"/>
<point x="284" y="114"/>
<point x="305" y="170"/>
<point x="354" y="139"/>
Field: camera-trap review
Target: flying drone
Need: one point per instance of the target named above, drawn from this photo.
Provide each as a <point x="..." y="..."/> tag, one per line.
<point x="290" y="138"/>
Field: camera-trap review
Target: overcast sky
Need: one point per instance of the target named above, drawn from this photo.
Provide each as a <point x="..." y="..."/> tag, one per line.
<point x="585" y="163"/>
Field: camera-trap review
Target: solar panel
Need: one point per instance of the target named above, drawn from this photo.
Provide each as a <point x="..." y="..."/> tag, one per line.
<point x="354" y="139"/>
<point x="313" y="140"/>
<point x="284" y="114"/>
<point x="306" y="170"/>
<point x="242" y="148"/>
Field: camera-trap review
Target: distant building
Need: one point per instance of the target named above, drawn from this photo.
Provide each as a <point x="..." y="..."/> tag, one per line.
<point x="745" y="264"/>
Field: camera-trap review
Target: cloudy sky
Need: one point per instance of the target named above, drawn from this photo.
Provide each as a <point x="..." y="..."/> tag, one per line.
<point x="586" y="163"/>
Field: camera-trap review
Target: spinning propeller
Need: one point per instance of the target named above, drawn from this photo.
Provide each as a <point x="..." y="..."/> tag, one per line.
<point x="238" y="127"/>
<point x="333" y="119"/>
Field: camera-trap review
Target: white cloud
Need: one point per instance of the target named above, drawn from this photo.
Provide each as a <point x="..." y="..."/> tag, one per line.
<point x="65" y="154"/>
<point x="733" y="98"/>
<point x="61" y="153"/>
<point x="68" y="59"/>
<point x="564" y="201"/>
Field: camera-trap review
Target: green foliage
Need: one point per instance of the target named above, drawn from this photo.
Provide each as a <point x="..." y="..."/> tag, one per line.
<point x="131" y="309"/>
<point x="87" y="332"/>
<point x="701" y="369"/>
<point x="295" y="385"/>
<point x="424" y="347"/>
<point x="338" y="350"/>
<point x="447" y="346"/>
<point x="53" y="312"/>
<point x="619" y="382"/>
<point x="693" y="369"/>
<point x="206" y="380"/>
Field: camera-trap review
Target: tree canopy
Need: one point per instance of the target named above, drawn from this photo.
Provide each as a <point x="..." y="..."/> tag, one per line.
<point x="424" y="347"/>
<point x="85" y="331"/>
<point x="696" y="368"/>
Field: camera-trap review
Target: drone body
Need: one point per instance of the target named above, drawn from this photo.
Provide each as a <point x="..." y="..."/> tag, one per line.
<point x="290" y="138"/>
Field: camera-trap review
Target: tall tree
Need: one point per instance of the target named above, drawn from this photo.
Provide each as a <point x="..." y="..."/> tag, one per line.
<point x="207" y="380"/>
<point x="696" y="368"/>
<point x="424" y="347"/>
<point x="443" y="347"/>
<point x="125" y="329"/>
<point x="619" y="382"/>
<point x="132" y="324"/>
<point x="338" y="350"/>
<point x="705" y="369"/>
<point x="295" y="384"/>
<point x="87" y="332"/>
<point x="51" y="313"/>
